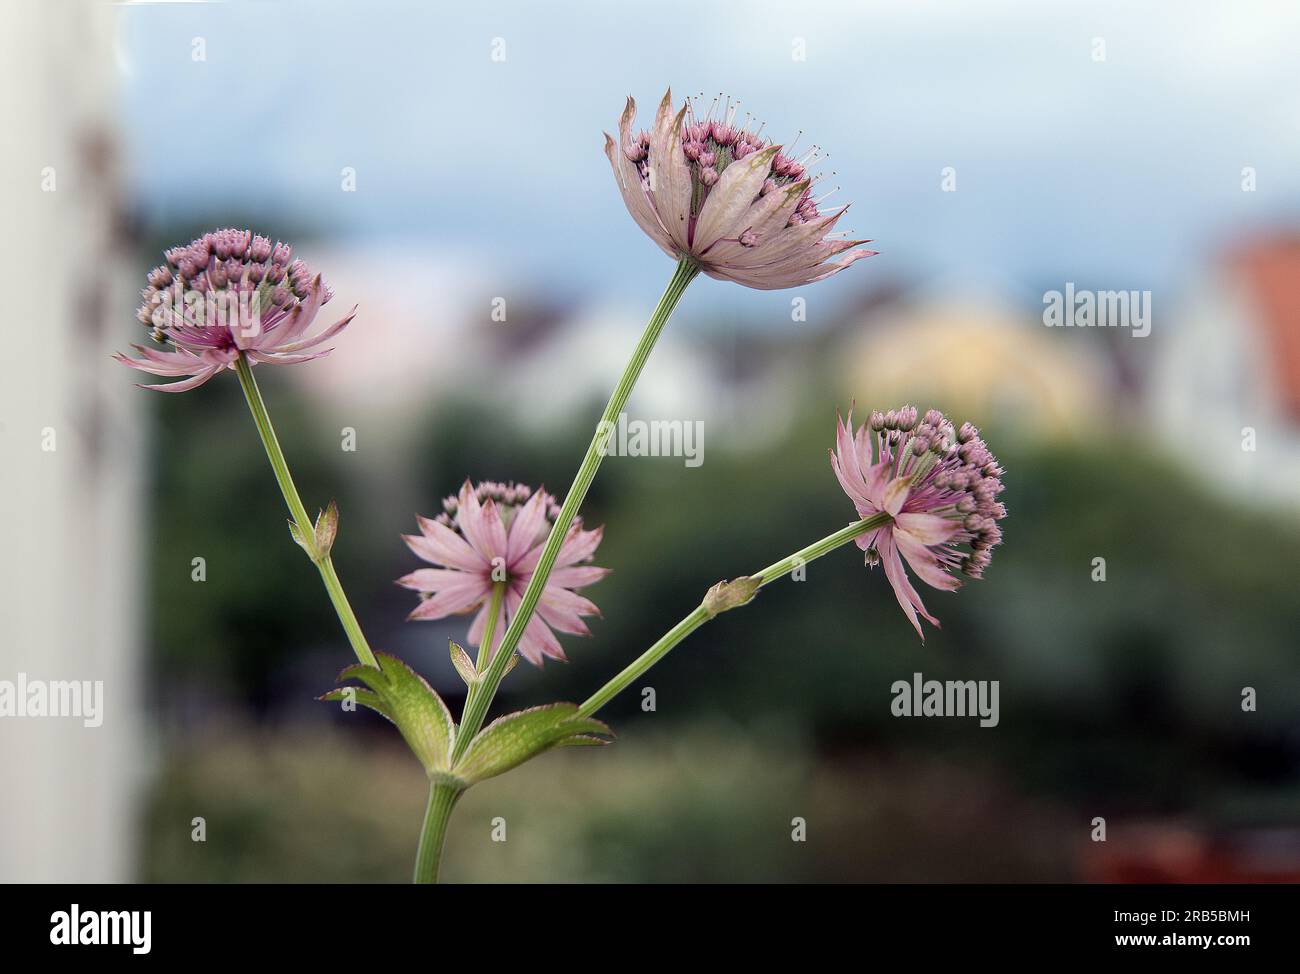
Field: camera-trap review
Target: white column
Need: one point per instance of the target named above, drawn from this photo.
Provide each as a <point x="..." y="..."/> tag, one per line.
<point x="70" y="525"/>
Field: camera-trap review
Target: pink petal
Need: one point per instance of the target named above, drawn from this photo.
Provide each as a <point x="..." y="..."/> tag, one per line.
<point x="730" y="199"/>
<point x="563" y="610"/>
<point x="845" y="448"/>
<point x="862" y="440"/>
<point x="577" y="576"/>
<point x="430" y="579"/>
<point x="302" y="315"/>
<point x="563" y="621"/>
<point x="495" y="528"/>
<point x="926" y="529"/>
<point x="526" y="527"/>
<point x="472" y="524"/>
<point x="635" y="198"/>
<point x="925" y="563"/>
<point x="896" y="495"/>
<point x="159" y="362"/>
<point x="878" y="478"/>
<point x="275" y="359"/>
<point x="325" y="335"/>
<point x="537" y="634"/>
<point x="869" y="540"/>
<point x="443" y="546"/>
<point x="848" y="470"/>
<point x="538" y="641"/>
<point x="457" y="597"/>
<point x="766" y="218"/>
<point x="903" y="590"/>
<point x="187" y="384"/>
<point x="579" y="546"/>
<point x="790" y="249"/>
<point x="670" y="180"/>
<point x="859" y="497"/>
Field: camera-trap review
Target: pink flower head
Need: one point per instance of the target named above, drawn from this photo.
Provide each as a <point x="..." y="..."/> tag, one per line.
<point x="717" y="192"/>
<point x="939" y="486"/>
<point x="225" y="293"/>
<point x="495" y="533"/>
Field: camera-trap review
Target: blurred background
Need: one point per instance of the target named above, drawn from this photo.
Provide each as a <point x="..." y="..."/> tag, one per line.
<point x="436" y="161"/>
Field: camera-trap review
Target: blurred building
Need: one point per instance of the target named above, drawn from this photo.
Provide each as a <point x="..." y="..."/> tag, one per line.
<point x="978" y="356"/>
<point x="1225" y="390"/>
<point x="433" y="326"/>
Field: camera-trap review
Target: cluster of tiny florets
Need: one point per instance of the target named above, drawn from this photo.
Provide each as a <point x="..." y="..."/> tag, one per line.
<point x="226" y="260"/>
<point x="508" y="497"/>
<point x="953" y="475"/>
<point x="710" y="145"/>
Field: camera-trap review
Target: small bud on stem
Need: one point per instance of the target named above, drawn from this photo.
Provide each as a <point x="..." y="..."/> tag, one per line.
<point x="732" y="594"/>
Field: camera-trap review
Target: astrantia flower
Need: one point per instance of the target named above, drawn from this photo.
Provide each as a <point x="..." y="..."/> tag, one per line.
<point x="722" y="195"/>
<point x="228" y="292"/>
<point x="495" y="533"/>
<point x="939" y="487"/>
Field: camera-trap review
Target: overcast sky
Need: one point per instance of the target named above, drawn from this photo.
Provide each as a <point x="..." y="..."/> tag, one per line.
<point x="1120" y="173"/>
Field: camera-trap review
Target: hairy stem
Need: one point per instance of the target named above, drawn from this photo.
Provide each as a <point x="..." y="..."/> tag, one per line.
<point x="433" y="834"/>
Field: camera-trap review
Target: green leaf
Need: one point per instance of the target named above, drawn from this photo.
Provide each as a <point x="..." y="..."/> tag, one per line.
<point x="374" y="678"/>
<point x="511" y="740"/>
<point x="583" y="740"/>
<point x="406" y="699"/>
<point x="367" y="698"/>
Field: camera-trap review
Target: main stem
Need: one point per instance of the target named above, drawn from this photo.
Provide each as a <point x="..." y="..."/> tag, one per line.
<point x="481" y="694"/>
<point x="442" y="799"/>
<point x="702" y="613"/>
<point x="305" y="528"/>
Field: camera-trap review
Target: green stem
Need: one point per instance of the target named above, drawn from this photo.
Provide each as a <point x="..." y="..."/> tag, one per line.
<point x="490" y="625"/>
<point x="818" y="548"/>
<point x="481" y="694"/>
<point x="443" y="797"/>
<point x="702" y="613"/>
<point x="433" y="834"/>
<point x="698" y="617"/>
<point x="305" y="528"/>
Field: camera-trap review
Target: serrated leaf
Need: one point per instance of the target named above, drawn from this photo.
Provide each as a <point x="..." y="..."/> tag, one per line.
<point x="513" y="739"/>
<point x="406" y="699"/>
<point x="367" y="698"/>
<point x="419" y="714"/>
<point x="583" y="740"/>
<point x="372" y="677"/>
<point x="464" y="665"/>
